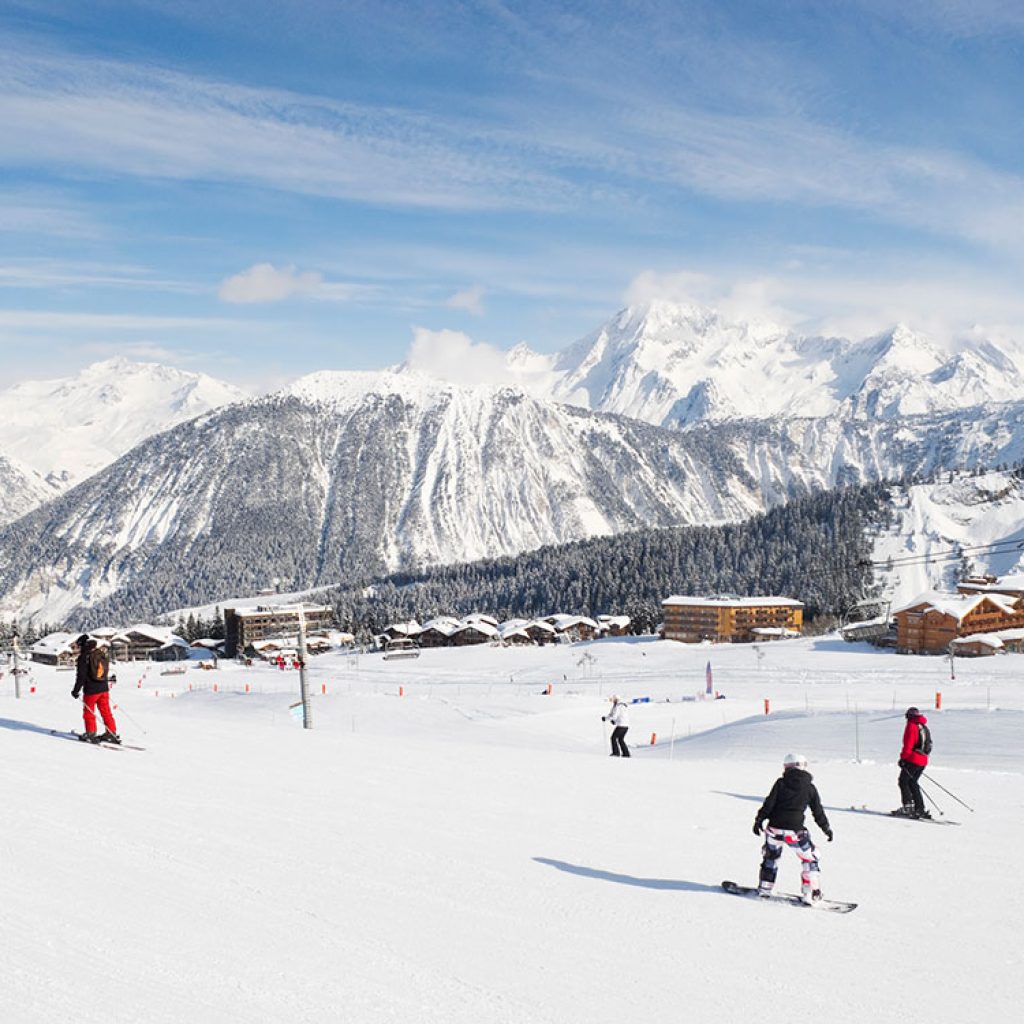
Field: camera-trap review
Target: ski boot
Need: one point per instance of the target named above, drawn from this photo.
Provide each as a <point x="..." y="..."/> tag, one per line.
<point x="108" y="737"/>
<point x="88" y="737"/>
<point x="923" y="814"/>
<point x="906" y="811"/>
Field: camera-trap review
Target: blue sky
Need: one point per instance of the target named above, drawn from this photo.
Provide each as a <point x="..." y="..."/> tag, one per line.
<point x="264" y="189"/>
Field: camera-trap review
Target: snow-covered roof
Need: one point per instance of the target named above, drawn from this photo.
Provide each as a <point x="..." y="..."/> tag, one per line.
<point x="616" y="621"/>
<point x="282" y="609"/>
<point x="55" y="643"/>
<point x="480" y="626"/>
<point x="564" y="622"/>
<point x="410" y="628"/>
<point x="541" y="624"/>
<point x="989" y="639"/>
<point x="1013" y="584"/>
<point x="515" y="623"/>
<point x="512" y="628"/>
<point x="443" y="624"/>
<point x="732" y="602"/>
<point x="161" y="634"/>
<point x="957" y="605"/>
<point x="478" y="617"/>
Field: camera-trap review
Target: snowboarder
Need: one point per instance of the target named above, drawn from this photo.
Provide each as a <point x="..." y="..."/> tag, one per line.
<point x="794" y="791"/>
<point x="92" y="672"/>
<point x="619" y="717"/>
<point x="917" y="745"/>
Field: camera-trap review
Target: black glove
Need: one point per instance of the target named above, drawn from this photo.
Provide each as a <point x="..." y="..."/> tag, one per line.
<point x="757" y="828"/>
<point x="74" y="693"/>
<point x="828" y="834"/>
<point x="604" y="718"/>
<point x="902" y="763"/>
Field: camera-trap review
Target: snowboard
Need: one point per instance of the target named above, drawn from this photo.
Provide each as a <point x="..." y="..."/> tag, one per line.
<point x="899" y="817"/>
<point x="788" y="899"/>
<point x="72" y="735"/>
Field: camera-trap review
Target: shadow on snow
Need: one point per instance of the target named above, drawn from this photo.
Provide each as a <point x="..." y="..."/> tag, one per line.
<point x="611" y="876"/>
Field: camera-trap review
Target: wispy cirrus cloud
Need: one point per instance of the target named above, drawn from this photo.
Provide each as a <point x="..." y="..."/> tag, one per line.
<point x="127" y="120"/>
<point x="633" y="149"/>
<point x="469" y="299"/>
<point x="47" y="320"/>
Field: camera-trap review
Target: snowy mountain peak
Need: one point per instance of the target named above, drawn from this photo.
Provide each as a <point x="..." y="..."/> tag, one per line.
<point x="676" y="364"/>
<point x="68" y="428"/>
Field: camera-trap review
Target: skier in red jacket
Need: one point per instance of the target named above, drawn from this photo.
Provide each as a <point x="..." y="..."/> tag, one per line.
<point x="917" y="744"/>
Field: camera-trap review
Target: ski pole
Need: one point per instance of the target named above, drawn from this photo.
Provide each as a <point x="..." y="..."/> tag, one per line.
<point x="931" y="800"/>
<point x="946" y="791"/>
<point x="122" y="710"/>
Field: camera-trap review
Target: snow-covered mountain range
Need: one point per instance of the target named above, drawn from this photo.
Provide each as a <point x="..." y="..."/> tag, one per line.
<point x="361" y="474"/>
<point x="347" y="472"/>
<point x="676" y="365"/>
<point x="63" y="430"/>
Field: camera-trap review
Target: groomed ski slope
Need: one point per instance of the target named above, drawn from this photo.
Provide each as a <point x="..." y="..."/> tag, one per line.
<point x="468" y="852"/>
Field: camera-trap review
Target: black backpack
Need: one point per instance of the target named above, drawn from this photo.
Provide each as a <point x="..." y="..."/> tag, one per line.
<point x="924" y="740"/>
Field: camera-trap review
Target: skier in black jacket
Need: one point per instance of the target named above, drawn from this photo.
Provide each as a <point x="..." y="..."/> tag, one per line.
<point x="92" y="672"/>
<point x="784" y="808"/>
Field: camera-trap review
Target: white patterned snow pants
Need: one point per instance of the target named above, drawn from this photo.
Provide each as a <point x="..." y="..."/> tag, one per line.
<point x="799" y="841"/>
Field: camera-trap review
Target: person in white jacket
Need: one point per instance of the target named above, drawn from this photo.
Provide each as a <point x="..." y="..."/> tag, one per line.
<point x="619" y="717"/>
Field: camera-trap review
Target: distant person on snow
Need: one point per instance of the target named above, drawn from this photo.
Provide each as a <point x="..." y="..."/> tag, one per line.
<point x="794" y="791"/>
<point x="92" y="673"/>
<point x="619" y="717"/>
<point x="917" y="745"/>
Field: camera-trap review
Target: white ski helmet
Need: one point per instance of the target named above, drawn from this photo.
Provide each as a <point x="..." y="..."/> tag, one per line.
<point x="794" y="761"/>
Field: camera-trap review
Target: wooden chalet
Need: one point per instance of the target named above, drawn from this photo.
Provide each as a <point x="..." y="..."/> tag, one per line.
<point x="141" y="642"/>
<point x="729" y="619"/>
<point x="541" y="632"/>
<point x="438" y="632"/>
<point x="979" y="645"/>
<point x="576" y="627"/>
<point x="932" y="621"/>
<point x="1011" y="585"/>
<point x="477" y="632"/>
<point x="615" y="625"/>
<point x="59" y="649"/>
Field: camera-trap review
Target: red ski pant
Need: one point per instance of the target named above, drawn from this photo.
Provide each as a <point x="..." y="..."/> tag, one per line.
<point x="92" y="701"/>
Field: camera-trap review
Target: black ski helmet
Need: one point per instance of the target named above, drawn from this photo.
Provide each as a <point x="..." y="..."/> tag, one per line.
<point x="913" y="712"/>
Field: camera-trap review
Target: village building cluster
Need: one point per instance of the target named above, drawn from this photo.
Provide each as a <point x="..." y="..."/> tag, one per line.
<point x="265" y="631"/>
<point x="140" y="642"/>
<point x="447" y="631"/>
<point x="270" y="631"/>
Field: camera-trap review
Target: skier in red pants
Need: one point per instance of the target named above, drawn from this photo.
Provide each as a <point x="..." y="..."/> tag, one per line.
<point x="92" y="673"/>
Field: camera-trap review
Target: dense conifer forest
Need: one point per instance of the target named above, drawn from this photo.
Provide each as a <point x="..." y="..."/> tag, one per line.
<point x="816" y="549"/>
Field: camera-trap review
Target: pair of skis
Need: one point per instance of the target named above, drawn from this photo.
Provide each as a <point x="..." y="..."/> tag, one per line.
<point x="863" y="809"/>
<point x="70" y="734"/>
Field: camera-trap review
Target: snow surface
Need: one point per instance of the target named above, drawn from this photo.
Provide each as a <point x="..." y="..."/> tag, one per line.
<point x="468" y="852"/>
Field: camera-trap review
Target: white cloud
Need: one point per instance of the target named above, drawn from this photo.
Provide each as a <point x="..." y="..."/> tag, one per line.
<point x="945" y="302"/>
<point x="469" y="299"/>
<point x="263" y="282"/>
<point x="454" y="356"/>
